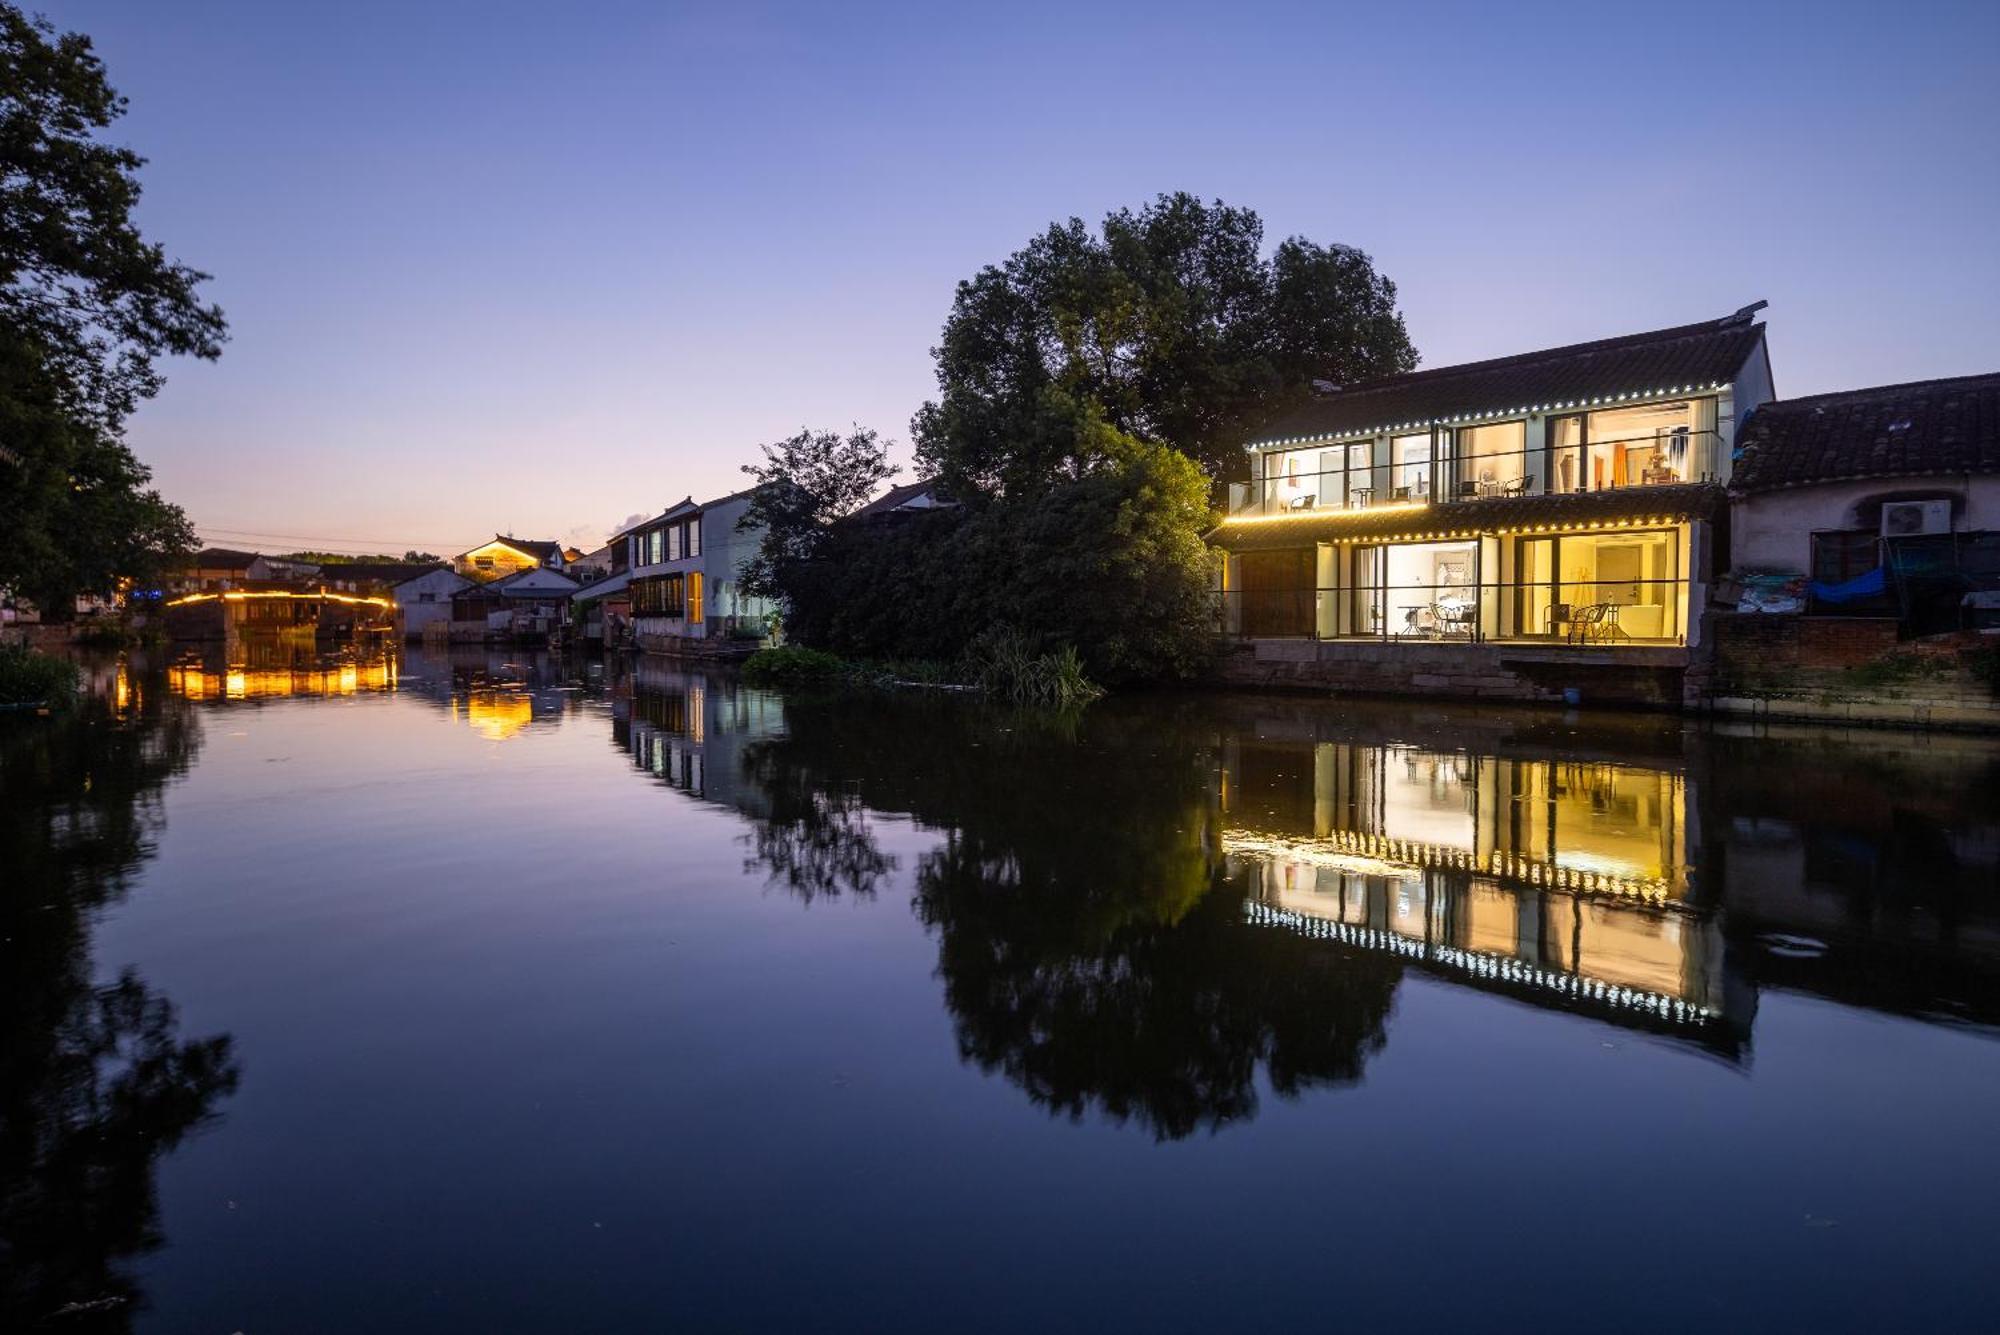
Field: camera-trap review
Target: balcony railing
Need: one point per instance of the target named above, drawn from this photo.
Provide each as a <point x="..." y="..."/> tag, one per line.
<point x="1648" y="461"/>
<point x="1576" y="613"/>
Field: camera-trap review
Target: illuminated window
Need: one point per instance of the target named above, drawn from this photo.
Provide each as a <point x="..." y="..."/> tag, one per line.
<point x="694" y="596"/>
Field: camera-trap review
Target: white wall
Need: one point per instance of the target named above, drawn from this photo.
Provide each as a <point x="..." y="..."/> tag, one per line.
<point x="1772" y="531"/>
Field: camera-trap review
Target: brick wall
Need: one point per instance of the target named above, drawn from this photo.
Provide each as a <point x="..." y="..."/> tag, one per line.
<point x="1749" y="645"/>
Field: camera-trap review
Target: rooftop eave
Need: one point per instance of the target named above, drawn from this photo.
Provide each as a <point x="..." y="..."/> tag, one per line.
<point x="1494" y="415"/>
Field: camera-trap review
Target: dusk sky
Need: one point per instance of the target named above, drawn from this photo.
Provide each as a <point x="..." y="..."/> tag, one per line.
<point x="537" y="268"/>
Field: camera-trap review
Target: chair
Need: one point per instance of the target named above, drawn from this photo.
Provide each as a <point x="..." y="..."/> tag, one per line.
<point x="1588" y="623"/>
<point x="1468" y="489"/>
<point x="1520" y="486"/>
<point x="1452" y="618"/>
<point x="1304" y="502"/>
<point x="1560" y="615"/>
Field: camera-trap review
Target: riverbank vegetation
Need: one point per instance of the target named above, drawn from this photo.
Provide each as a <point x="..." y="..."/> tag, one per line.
<point x="1095" y="389"/>
<point x="1003" y="664"/>
<point x="28" y="677"/>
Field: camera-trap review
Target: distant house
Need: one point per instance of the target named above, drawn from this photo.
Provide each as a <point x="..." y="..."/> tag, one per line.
<point x="685" y="569"/>
<point x="371" y="577"/>
<point x="1882" y="501"/>
<point x="216" y="569"/>
<point x="424" y="600"/>
<point x="910" y="498"/>
<point x="504" y="556"/>
<point x="527" y="606"/>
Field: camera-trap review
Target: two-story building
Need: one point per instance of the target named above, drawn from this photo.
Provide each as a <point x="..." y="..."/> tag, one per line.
<point x="685" y="575"/>
<point x="1535" y="526"/>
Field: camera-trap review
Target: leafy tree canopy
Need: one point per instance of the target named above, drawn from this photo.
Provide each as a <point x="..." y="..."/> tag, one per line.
<point x="1170" y="325"/>
<point x="806" y="484"/>
<point x="75" y="275"/>
<point x="86" y="308"/>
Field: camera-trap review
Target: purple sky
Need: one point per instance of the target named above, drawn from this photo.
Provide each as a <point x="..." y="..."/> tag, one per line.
<point x="539" y="268"/>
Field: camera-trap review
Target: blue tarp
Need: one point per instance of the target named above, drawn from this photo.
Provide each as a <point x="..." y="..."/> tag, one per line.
<point x="1869" y="585"/>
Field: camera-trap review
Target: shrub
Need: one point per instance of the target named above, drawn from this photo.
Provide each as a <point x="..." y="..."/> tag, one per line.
<point x="1004" y="664"/>
<point x="1110" y="564"/>
<point x="791" y="666"/>
<point x="31" y="678"/>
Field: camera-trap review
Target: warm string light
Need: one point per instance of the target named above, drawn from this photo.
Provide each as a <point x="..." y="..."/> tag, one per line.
<point x="1356" y="437"/>
<point x="1480" y="963"/>
<point x="242" y="595"/>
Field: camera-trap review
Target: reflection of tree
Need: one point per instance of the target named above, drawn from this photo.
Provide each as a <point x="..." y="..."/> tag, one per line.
<point x="814" y="843"/>
<point x="1087" y="946"/>
<point x="95" y="1082"/>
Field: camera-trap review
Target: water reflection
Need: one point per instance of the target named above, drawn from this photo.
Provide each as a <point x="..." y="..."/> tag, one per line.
<point x="96" y="1081"/>
<point x="1141" y="908"/>
<point x="270" y="667"/>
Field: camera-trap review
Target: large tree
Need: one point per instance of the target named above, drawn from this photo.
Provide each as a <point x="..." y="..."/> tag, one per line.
<point x="87" y="307"/>
<point x="1170" y="324"/>
<point x="805" y="485"/>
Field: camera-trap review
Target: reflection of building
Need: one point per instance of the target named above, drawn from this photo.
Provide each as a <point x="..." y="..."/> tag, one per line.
<point x="1566" y="880"/>
<point x="276" y="669"/>
<point x="689" y="730"/>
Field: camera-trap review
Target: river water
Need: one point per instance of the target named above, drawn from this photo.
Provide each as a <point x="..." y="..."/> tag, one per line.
<point x="481" y="993"/>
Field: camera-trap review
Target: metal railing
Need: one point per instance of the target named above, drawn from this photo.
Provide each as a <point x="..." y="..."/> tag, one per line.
<point x="1580" y="613"/>
<point x="1556" y="470"/>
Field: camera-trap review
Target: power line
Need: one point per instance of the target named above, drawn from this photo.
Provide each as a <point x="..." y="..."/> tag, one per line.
<point x="320" y="541"/>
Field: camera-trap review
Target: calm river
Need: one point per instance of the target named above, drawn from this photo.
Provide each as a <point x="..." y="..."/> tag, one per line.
<point x="480" y="994"/>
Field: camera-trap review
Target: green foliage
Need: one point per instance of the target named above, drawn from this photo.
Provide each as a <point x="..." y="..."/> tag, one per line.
<point x="1984" y="664"/>
<point x="789" y="666"/>
<point x="31" y="678"/>
<point x="74" y="503"/>
<point x="76" y="278"/>
<point x="1110" y="563"/>
<point x="1170" y="325"/>
<point x="86" y="307"/>
<point x="806" y="484"/>
<point x="1004" y="664"/>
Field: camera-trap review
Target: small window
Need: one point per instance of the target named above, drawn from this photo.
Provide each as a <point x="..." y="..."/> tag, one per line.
<point x="694" y="538"/>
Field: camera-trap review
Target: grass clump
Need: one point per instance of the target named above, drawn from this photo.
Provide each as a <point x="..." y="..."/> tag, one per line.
<point x="31" y="678"/>
<point x="1004" y="664"/>
<point x="790" y="666"/>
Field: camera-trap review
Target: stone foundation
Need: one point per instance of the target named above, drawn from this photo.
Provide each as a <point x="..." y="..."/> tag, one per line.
<point x="1632" y="675"/>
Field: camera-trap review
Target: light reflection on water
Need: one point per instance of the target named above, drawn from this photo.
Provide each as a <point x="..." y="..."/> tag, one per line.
<point x="688" y="974"/>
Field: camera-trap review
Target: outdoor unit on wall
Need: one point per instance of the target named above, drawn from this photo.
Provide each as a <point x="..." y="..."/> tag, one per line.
<point x="1910" y="519"/>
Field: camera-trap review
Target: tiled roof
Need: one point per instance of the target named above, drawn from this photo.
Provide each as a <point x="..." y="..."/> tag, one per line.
<point x="222" y="558"/>
<point x="378" y="572"/>
<point x="541" y="551"/>
<point x="1688" y="500"/>
<point x="1636" y="365"/>
<point x="1925" y="428"/>
<point x="896" y="498"/>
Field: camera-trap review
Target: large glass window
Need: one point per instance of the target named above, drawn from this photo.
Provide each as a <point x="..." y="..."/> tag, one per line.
<point x="1492" y="460"/>
<point x="1601" y="587"/>
<point x="1410" y="460"/>
<point x="1427" y="589"/>
<point x="1650" y="445"/>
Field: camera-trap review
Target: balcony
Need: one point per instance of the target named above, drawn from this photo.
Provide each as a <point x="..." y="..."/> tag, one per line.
<point x="1654" y="459"/>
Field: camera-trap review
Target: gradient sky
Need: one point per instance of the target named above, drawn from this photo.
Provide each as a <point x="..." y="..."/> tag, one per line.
<point x="537" y="268"/>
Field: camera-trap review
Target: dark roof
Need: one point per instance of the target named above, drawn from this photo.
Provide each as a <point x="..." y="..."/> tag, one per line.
<point x="222" y="558"/>
<point x="1637" y="365"/>
<point x="378" y="572"/>
<point x="541" y="551"/>
<point x="1687" y="500"/>
<point x="897" y="497"/>
<point x="1924" y="428"/>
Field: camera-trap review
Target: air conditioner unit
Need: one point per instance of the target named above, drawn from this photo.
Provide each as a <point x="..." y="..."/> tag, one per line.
<point x="1909" y="519"/>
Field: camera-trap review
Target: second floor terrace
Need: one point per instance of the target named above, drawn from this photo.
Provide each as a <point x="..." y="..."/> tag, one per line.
<point x="1645" y="410"/>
